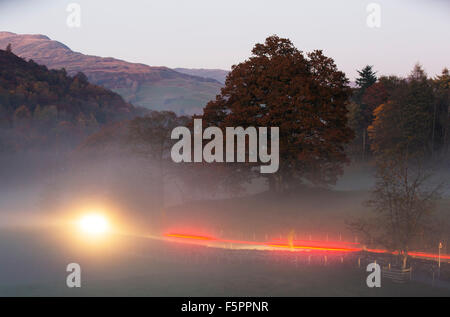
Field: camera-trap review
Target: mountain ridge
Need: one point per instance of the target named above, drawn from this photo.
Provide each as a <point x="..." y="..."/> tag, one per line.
<point x="153" y="87"/>
<point x="214" y="73"/>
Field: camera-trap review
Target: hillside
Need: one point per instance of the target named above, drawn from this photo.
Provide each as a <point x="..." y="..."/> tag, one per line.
<point x="157" y="88"/>
<point x="41" y="107"/>
<point x="218" y="74"/>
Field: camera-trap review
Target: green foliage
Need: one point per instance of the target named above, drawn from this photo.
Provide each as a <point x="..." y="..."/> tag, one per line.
<point x="366" y="78"/>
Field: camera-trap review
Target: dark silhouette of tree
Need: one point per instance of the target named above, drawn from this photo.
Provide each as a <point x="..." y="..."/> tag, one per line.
<point x="367" y="77"/>
<point x="441" y="113"/>
<point x="403" y="202"/>
<point x="150" y="136"/>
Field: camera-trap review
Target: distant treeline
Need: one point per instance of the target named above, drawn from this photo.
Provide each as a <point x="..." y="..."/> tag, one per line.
<point x="392" y="115"/>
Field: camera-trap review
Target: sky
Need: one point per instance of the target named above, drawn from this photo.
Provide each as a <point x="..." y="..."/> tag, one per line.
<point x="218" y="34"/>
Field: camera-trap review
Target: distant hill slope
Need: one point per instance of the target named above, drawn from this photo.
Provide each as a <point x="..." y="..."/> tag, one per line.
<point x="158" y="88"/>
<point x="41" y="108"/>
<point x="218" y="74"/>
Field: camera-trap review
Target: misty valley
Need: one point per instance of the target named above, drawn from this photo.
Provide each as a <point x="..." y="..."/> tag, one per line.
<point x="310" y="166"/>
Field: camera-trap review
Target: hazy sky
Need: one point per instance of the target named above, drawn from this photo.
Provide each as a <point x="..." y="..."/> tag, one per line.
<point x="218" y="34"/>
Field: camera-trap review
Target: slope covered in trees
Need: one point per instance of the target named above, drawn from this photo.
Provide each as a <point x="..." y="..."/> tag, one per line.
<point x="41" y="107"/>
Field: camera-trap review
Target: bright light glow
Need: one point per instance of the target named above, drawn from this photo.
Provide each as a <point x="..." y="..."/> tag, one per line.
<point x="94" y="224"/>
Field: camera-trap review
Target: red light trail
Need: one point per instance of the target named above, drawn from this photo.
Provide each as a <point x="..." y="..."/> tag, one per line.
<point x="297" y="245"/>
<point x="315" y="248"/>
<point x="429" y="255"/>
<point x="185" y="236"/>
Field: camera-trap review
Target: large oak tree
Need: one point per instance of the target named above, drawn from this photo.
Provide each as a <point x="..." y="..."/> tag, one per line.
<point x="305" y="95"/>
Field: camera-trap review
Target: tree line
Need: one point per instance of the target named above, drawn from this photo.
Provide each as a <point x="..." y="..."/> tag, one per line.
<point x="391" y="114"/>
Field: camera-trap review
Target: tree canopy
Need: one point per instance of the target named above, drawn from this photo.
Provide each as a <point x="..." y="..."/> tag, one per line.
<point x="305" y="95"/>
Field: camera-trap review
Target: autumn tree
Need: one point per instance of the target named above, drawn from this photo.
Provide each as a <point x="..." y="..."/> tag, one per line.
<point x="374" y="96"/>
<point x="305" y="95"/>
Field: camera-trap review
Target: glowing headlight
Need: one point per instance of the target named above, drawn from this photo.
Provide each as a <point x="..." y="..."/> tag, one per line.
<point x="94" y="224"/>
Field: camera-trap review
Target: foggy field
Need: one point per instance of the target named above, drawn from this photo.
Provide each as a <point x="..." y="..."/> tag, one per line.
<point x="33" y="263"/>
<point x="35" y="253"/>
<point x="36" y="245"/>
<point x="310" y="212"/>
